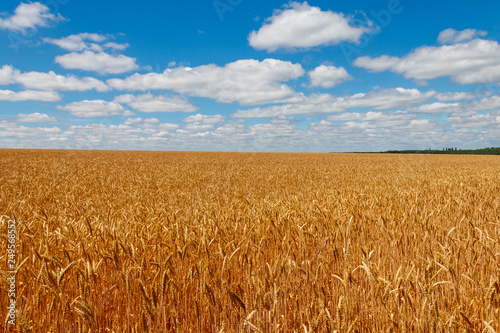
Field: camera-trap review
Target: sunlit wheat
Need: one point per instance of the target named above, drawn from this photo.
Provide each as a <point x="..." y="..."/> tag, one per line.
<point x="243" y="242"/>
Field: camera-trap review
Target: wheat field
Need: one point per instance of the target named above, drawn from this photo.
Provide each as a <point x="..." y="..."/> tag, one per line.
<point x="252" y="242"/>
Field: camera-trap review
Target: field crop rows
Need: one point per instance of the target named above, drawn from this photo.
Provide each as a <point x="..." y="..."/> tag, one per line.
<point x="243" y="242"/>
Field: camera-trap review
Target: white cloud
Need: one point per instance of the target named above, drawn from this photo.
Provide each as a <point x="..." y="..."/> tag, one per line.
<point x="29" y="95"/>
<point x="313" y="104"/>
<point x="79" y="42"/>
<point x="438" y="107"/>
<point x="150" y="103"/>
<point x="198" y="127"/>
<point x="378" y="64"/>
<point x="52" y="81"/>
<point x="29" y="16"/>
<point x="463" y="108"/>
<point x="491" y="103"/>
<point x="390" y="99"/>
<point x="452" y="36"/>
<point x="231" y="128"/>
<point x="357" y="131"/>
<point x="276" y="129"/>
<point x="31" y="135"/>
<point x="167" y="127"/>
<point x="475" y="120"/>
<point x="377" y="131"/>
<point x="388" y="120"/>
<point x="49" y="81"/>
<point x="95" y="108"/>
<point x="141" y="122"/>
<point x="326" y="103"/>
<point x="35" y="118"/>
<point x="385" y="117"/>
<point x="116" y="46"/>
<point x="460" y="96"/>
<point x="248" y="82"/>
<point x="204" y="119"/>
<point x="101" y="62"/>
<point x="345" y="116"/>
<point x="328" y="76"/>
<point x="93" y="37"/>
<point x="149" y="126"/>
<point x="7" y="74"/>
<point x="86" y="41"/>
<point x="302" y="26"/>
<point x="476" y="61"/>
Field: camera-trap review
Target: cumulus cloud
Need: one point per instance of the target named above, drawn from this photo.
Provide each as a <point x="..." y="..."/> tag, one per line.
<point x="460" y="96"/>
<point x="326" y="103"/>
<point x="328" y="76"/>
<point x="313" y="104"/>
<point x="95" y="108"/>
<point x="491" y="103"/>
<point x="86" y="41"/>
<point x="391" y="98"/>
<point x="150" y="103"/>
<point x="101" y="62"/>
<point x="462" y="108"/>
<point x="373" y="130"/>
<point x="378" y="64"/>
<point x="29" y="95"/>
<point x="49" y="81"/>
<point x="282" y="128"/>
<point x="438" y="107"/>
<point x="141" y="122"/>
<point x="198" y="127"/>
<point x="116" y="46"/>
<point x="300" y="25"/>
<point x="28" y="137"/>
<point x="138" y="120"/>
<point x="35" y="118"/>
<point x="476" y="61"/>
<point x="452" y="36"/>
<point x="475" y="120"/>
<point x="7" y="74"/>
<point x="204" y="119"/>
<point x="29" y="16"/>
<point x="165" y="127"/>
<point x="369" y="122"/>
<point x="247" y="82"/>
<point x="78" y="42"/>
<point x="356" y="131"/>
<point x="372" y="116"/>
<point x="52" y="81"/>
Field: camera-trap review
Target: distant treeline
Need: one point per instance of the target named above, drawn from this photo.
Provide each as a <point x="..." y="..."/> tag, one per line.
<point x="482" y="151"/>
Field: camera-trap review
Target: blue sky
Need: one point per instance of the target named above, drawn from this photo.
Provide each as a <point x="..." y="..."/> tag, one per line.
<point x="240" y="75"/>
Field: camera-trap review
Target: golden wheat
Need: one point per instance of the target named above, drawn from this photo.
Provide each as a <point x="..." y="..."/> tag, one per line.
<point x="246" y="242"/>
